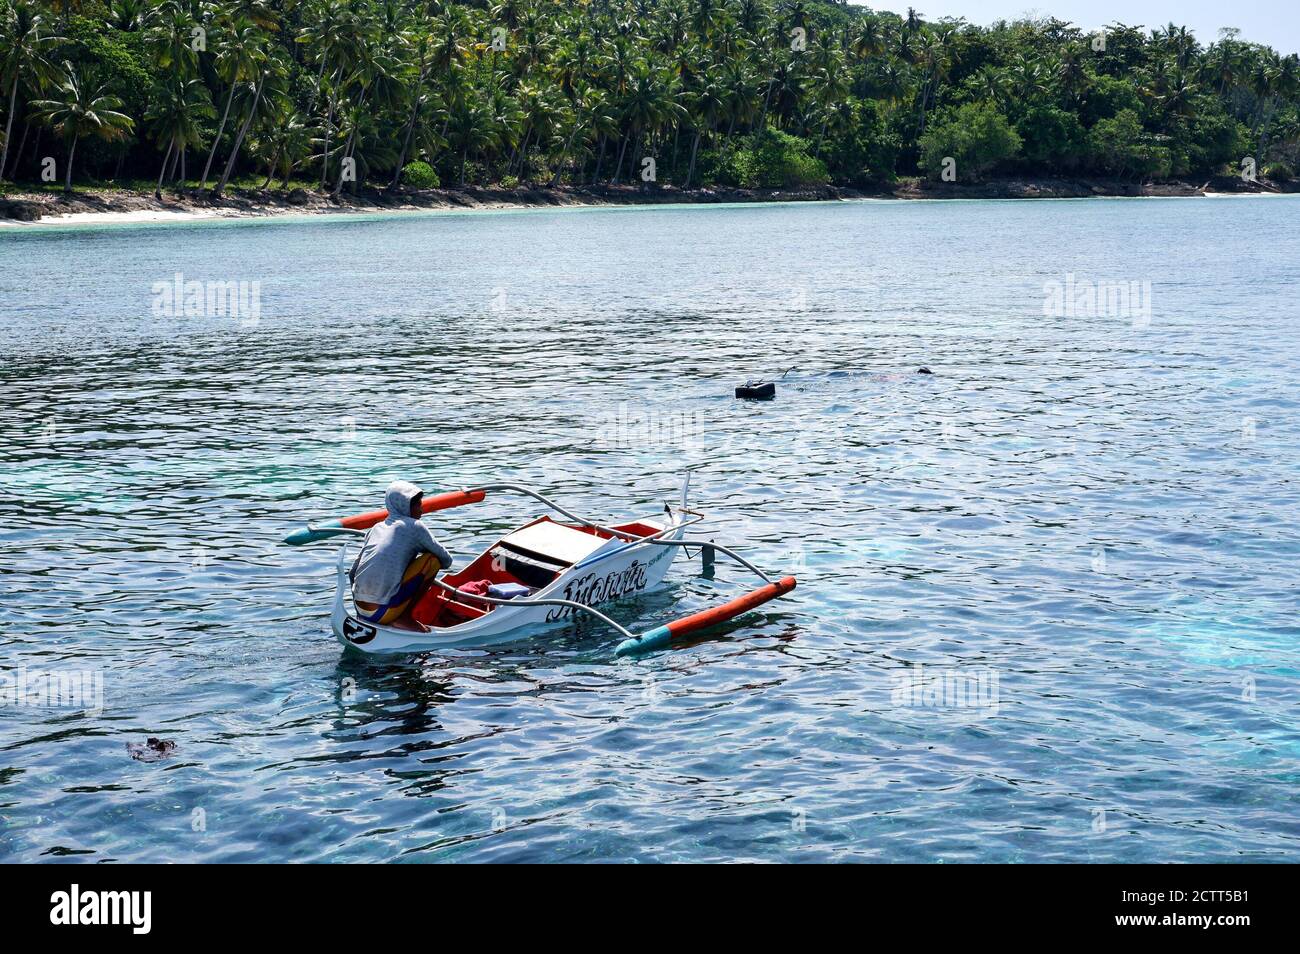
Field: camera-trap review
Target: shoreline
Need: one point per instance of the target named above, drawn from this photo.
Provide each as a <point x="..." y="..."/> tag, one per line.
<point x="46" y="209"/>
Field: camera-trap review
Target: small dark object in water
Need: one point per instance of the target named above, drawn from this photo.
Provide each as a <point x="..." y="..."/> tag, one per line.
<point x="924" y="371"/>
<point x="151" y="750"/>
<point x="756" y="390"/>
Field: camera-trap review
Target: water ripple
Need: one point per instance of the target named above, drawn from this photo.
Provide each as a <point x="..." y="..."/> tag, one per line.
<point x="1094" y="517"/>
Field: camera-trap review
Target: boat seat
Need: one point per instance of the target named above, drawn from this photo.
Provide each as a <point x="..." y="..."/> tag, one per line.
<point x="528" y="569"/>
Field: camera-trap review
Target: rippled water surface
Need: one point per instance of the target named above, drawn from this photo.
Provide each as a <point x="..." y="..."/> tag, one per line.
<point x="1089" y="521"/>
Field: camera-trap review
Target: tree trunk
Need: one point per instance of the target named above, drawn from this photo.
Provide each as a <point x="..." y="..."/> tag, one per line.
<point x="410" y="131"/>
<point x="329" y="134"/>
<point x="239" y="139"/>
<point x="171" y="168"/>
<point x="320" y="75"/>
<point x="690" y="173"/>
<point x="463" y="153"/>
<point x="406" y="145"/>
<point x="348" y="148"/>
<point x="157" y="190"/>
<point x="618" y="169"/>
<point x="72" y="151"/>
<point x="270" y="170"/>
<point x="225" y="114"/>
<point x="925" y="95"/>
<point x="563" y="158"/>
<point x="347" y="152"/>
<point x="636" y="151"/>
<point x="520" y="153"/>
<point x="600" y="160"/>
<point x="9" y="124"/>
<point x="22" y="144"/>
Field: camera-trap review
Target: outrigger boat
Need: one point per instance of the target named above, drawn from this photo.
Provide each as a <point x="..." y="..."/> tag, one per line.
<point x="558" y="568"/>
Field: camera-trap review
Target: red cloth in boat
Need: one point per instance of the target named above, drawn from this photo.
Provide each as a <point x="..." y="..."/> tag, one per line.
<point x="475" y="587"/>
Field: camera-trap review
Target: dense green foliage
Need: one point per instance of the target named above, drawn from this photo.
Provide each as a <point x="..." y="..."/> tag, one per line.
<point x="744" y="92"/>
<point x="420" y="175"/>
<point x="772" y="159"/>
<point x="976" y="136"/>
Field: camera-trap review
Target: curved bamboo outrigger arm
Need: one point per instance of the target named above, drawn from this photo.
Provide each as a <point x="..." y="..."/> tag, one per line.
<point x="660" y="636"/>
<point x="528" y="601"/>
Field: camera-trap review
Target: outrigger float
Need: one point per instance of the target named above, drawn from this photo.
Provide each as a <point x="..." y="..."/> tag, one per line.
<point x="560" y="567"/>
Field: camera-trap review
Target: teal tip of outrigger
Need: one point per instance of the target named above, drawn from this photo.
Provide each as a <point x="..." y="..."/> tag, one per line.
<point x="314" y="532"/>
<point x="656" y="638"/>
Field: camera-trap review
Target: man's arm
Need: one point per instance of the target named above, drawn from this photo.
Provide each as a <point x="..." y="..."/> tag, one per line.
<point x="434" y="547"/>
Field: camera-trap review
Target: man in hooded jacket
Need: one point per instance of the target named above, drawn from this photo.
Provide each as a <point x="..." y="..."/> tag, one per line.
<point x="397" y="562"/>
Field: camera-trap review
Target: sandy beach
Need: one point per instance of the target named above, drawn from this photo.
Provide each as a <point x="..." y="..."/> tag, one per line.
<point x="114" y="218"/>
<point x="108" y="207"/>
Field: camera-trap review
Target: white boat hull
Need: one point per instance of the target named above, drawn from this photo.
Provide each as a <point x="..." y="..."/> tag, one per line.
<point x="618" y="569"/>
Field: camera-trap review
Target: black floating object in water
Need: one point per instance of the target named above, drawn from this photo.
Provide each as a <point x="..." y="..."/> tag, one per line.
<point x="151" y="750"/>
<point x="924" y="371"/>
<point x="756" y="390"/>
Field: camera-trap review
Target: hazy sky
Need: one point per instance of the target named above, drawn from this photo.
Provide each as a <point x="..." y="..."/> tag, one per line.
<point x="1274" y="22"/>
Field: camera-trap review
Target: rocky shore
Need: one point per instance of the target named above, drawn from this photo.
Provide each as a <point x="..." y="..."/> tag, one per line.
<point x="107" y="205"/>
<point x="1084" y="188"/>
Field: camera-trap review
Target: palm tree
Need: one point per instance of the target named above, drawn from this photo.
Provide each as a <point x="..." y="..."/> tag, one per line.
<point x="1179" y="93"/>
<point x="169" y="38"/>
<point x="376" y="75"/>
<point x="268" y="96"/>
<point x="739" y="85"/>
<point x="591" y="116"/>
<point x="649" y="101"/>
<point x="751" y="16"/>
<point x="829" y="88"/>
<point x="23" y="58"/>
<point x="173" y="118"/>
<point x="128" y="16"/>
<point x="785" y="92"/>
<point x="417" y="44"/>
<point x="261" y="12"/>
<point x="707" y="104"/>
<point x="869" y="39"/>
<point x="284" y="142"/>
<point x="931" y="58"/>
<point x="323" y="33"/>
<point x="1223" y="64"/>
<point x="239" y="58"/>
<point x="1071" y="75"/>
<point x="78" y="110"/>
<point x="540" y="111"/>
<point x="471" y="128"/>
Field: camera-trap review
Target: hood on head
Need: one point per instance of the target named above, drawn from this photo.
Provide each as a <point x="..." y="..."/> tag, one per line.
<point x="399" y="496"/>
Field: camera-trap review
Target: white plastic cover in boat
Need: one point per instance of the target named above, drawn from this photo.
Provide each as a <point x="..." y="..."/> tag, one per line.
<point x="555" y="541"/>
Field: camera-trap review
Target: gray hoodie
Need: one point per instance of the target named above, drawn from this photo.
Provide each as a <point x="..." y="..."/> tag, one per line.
<point x="390" y="547"/>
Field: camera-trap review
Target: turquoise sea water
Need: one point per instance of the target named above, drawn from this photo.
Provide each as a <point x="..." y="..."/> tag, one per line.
<point x="1091" y="522"/>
